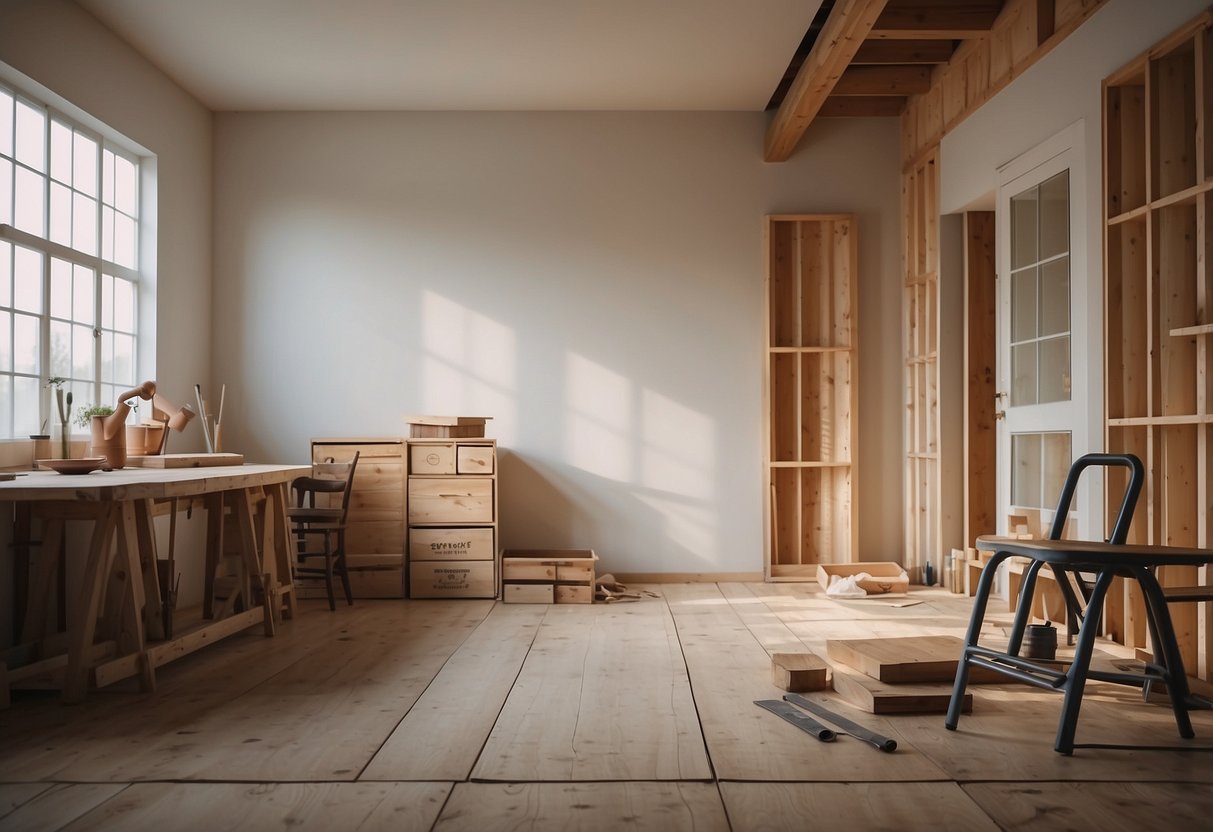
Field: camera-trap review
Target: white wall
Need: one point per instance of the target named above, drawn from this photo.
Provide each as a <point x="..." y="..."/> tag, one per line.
<point x="592" y="281"/>
<point x="69" y="53"/>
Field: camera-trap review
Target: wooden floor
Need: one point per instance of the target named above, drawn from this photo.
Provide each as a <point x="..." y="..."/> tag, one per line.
<point x="470" y="715"/>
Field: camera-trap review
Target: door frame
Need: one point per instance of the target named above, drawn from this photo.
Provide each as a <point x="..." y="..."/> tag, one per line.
<point x="1065" y="150"/>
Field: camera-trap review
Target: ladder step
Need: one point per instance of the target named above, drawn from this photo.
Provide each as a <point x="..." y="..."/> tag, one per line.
<point x="1179" y="594"/>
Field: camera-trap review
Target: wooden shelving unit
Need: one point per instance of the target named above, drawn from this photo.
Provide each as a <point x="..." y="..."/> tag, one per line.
<point x="922" y="479"/>
<point x="811" y="393"/>
<point x="1158" y="186"/>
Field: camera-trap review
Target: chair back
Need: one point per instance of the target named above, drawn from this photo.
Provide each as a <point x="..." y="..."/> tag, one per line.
<point x="1137" y="477"/>
<point x="328" y="477"/>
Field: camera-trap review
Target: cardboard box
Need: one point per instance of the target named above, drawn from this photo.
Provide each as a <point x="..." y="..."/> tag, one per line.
<point x="887" y="577"/>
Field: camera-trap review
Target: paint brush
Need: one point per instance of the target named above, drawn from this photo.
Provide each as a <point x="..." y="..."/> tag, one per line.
<point x="206" y="430"/>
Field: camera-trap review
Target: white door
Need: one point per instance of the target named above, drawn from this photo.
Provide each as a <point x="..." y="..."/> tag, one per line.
<point x="1045" y="383"/>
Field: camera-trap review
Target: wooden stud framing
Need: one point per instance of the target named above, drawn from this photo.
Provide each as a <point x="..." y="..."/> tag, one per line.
<point x="923" y="519"/>
<point x="811" y="393"/>
<point x="1023" y="32"/>
<point x="981" y="302"/>
<point x="1158" y="317"/>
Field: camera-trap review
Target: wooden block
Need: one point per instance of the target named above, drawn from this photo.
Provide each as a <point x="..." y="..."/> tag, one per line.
<point x="911" y="660"/>
<point x="877" y="697"/>
<point x="184" y="460"/>
<point x="579" y="594"/>
<point x="799" y="672"/>
<point x="528" y="594"/>
<point x="449" y="421"/>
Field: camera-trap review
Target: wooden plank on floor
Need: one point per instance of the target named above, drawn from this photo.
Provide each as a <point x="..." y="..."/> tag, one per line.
<point x="603" y="695"/>
<point x="895" y="806"/>
<point x="320" y="715"/>
<point x="730" y="670"/>
<point x="443" y="733"/>
<point x="44" y="741"/>
<point x="907" y="660"/>
<point x="301" y="807"/>
<point x="59" y="805"/>
<point x="1010" y="734"/>
<point x="1054" y="807"/>
<point x="586" y="807"/>
<point x="876" y="697"/>
<point x="13" y="795"/>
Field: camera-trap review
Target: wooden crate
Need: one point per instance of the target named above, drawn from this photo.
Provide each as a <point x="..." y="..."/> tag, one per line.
<point x="886" y="577"/>
<point x="545" y="576"/>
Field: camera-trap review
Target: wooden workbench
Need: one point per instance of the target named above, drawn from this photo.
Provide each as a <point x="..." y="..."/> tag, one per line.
<point x="119" y="583"/>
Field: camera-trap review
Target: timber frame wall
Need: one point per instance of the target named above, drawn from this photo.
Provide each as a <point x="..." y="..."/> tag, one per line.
<point x="1024" y="31"/>
<point x="1158" y="318"/>
<point x="1158" y="186"/>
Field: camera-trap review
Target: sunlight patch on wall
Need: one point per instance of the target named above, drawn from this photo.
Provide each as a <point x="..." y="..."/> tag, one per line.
<point x="600" y="424"/>
<point x="678" y="447"/>
<point x="690" y="526"/>
<point x="470" y="365"/>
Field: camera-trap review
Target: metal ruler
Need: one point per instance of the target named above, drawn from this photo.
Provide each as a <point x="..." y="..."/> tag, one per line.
<point x="805" y="723"/>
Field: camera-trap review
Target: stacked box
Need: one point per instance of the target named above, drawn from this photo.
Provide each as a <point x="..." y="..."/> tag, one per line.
<point x="547" y="576"/>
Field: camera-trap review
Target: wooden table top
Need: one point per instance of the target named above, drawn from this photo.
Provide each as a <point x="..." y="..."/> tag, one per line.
<point x="145" y="483"/>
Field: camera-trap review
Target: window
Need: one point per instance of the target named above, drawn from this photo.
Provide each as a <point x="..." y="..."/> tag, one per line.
<point x="69" y="264"/>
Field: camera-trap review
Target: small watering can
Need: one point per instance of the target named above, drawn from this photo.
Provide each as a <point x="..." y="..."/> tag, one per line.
<point x="109" y="432"/>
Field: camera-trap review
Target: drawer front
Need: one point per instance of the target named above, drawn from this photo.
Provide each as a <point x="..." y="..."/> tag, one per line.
<point x="452" y="579"/>
<point x="344" y="451"/>
<point x="527" y="594"/>
<point x="450" y="500"/>
<point x="575" y="572"/>
<point x="432" y="459"/>
<point x="528" y="571"/>
<point x="375" y="537"/>
<point x="574" y="594"/>
<point x="474" y="459"/>
<point x="451" y="544"/>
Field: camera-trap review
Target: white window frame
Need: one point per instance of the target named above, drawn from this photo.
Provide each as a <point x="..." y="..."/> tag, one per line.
<point x="96" y="390"/>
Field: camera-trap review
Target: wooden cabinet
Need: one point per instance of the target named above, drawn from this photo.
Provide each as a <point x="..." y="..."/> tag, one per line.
<point x="375" y="534"/>
<point x="1158" y="256"/>
<point x="452" y="518"/>
<point x="811" y="393"/>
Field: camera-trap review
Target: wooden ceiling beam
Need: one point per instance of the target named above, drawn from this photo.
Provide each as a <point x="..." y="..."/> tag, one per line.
<point x="862" y="106"/>
<point x="936" y="19"/>
<point x="844" y="32"/>
<point x="884" y="80"/>
<point x="903" y="52"/>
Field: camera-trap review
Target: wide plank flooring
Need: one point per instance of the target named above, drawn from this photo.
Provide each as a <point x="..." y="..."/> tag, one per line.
<point x="454" y="715"/>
